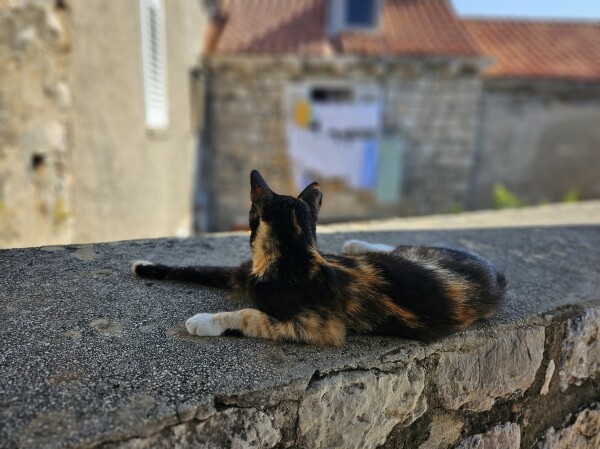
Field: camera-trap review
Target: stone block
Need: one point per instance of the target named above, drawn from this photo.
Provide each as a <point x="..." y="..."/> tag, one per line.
<point x="581" y="349"/>
<point x="548" y="378"/>
<point x="584" y="433"/>
<point x="359" y="409"/>
<point x="505" y="436"/>
<point x="496" y="368"/>
<point x="444" y="430"/>
<point x="237" y="428"/>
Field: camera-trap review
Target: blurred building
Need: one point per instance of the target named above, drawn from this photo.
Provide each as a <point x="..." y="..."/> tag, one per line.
<point x="395" y="106"/>
<point x="97" y="120"/>
<point x="135" y="118"/>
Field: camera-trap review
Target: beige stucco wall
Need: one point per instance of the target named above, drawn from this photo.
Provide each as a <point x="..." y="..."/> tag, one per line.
<point x="130" y="182"/>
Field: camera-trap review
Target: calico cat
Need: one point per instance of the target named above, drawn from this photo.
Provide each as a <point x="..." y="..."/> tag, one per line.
<point x="302" y="295"/>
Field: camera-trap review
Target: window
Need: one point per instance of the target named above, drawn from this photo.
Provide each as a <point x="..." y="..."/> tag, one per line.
<point x="360" y="13"/>
<point x="353" y="15"/>
<point x="331" y="95"/>
<point x="152" y="27"/>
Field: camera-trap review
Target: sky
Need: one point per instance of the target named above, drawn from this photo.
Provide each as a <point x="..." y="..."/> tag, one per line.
<point x="569" y="9"/>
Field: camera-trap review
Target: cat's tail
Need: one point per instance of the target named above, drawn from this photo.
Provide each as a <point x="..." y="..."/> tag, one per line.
<point x="220" y="277"/>
<point x="491" y="301"/>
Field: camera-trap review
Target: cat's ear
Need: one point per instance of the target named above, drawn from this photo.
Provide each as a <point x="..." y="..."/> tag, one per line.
<point x="259" y="190"/>
<point x="313" y="196"/>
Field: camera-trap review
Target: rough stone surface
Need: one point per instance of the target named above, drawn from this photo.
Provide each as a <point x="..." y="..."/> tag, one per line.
<point x="359" y="409"/>
<point x="581" y="349"/>
<point x="496" y="368"/>
<point x="35" y="126"/>
<point x="583" y="433"/>
<point x="92" y="356"/>
<point x="237" y="428"/>
<point x="507" y="436"/>
<point x="444" y="430"/>
<point x="548" y="378"/>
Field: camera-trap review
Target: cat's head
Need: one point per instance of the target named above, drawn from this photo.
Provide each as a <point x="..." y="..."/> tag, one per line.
<point x="285" y="220"/>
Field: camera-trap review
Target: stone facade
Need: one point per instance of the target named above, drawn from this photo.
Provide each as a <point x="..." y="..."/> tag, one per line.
<point x="430" y="104"/>
<point x="77" y="161"/>
<point x="539" y="139"/>
<point x="463" y="133"/>
<point x="36" y="118"/>
<point x="582" y="431"/>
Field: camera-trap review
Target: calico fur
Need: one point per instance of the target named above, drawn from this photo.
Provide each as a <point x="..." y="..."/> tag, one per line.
<point x="303" y="295"/>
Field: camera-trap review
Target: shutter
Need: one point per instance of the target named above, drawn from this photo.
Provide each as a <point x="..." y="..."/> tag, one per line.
<point x="152" y="25"/>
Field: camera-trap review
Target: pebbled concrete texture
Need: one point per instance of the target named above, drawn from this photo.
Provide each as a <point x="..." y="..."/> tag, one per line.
<point x="92" y="356"/>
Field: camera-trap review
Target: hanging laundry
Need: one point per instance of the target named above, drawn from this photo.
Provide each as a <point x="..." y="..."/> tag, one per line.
<point x="341" y="143"/>
<point x="368" y="175"/>
<point x="353" y="119"/>
<point x="302" y="114"/>
<point x="389" y="183"/>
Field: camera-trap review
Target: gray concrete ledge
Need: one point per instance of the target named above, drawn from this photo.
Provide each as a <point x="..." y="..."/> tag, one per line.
<point x="93" y="357"/>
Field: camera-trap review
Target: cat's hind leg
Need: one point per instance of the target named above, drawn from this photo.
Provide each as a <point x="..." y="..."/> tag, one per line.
<point x="361" y="247"/>
<point x="308" y="327"/>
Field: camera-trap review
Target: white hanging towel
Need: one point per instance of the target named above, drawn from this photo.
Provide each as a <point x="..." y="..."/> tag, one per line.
<point x="343" y="118"/>
<point x="343" y="145"/>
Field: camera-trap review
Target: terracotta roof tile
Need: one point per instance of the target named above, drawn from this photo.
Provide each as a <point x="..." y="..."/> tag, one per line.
<point x="534" y="49"/>
<point x="414" y="27"/>
<point x="408" y="27"/>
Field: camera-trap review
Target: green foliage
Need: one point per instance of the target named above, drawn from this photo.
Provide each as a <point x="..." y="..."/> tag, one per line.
<point x="572" y="196"/>
<point x="61" y="213"/>
<point x="504" y="198"/>
<point x="456" y="208"/>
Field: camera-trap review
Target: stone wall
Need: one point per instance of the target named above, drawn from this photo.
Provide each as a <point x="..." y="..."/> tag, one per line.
<point x="77" y="162"/>
<point x="35" y="124"/>
<point x="110" y="364"/>
<point x="538" y="139"/>
<point x="430" y="104"/>
<point x="526" y="386"/>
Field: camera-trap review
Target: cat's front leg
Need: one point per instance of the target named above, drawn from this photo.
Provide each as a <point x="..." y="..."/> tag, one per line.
<point x="305" y="328"/>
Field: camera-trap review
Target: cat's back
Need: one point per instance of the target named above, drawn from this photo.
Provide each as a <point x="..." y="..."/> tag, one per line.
<point x="454" y="264"/>
<point x="449" y="289"/>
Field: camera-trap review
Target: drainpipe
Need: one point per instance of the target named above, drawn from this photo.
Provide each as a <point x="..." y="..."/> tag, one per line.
<point x="204" y="196"/>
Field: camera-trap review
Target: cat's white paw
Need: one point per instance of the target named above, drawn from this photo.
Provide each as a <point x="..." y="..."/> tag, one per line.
<point x="355" y="247"/>
<point x="204" y="325"/>
<point x="360" y="247"/>
<point x="140" y="263"/>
